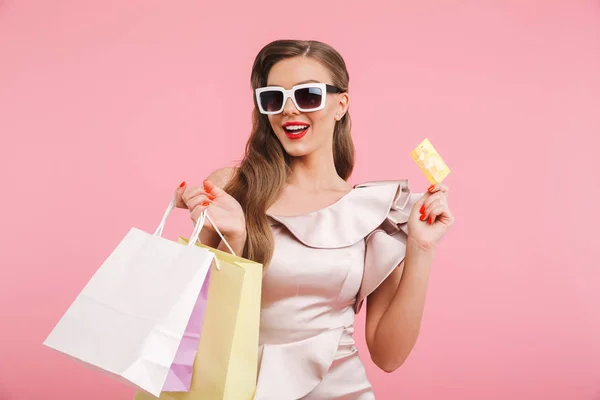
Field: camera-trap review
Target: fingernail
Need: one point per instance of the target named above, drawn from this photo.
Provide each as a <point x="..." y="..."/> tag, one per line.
<point x="431" y="188"/>
<point x="210" y="197"/>
<point x="182" y="184"/>
<point x="423" y="217"/>
<point x="205" y="204"/>
<point x="431" y="220"/>
<point x="423" y="209"/>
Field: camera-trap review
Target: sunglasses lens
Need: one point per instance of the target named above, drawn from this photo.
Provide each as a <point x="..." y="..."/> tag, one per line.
<point x="308" y="98"/>
<point x="271" y="100"/>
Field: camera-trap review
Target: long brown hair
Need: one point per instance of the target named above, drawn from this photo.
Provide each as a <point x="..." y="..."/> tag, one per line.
<point x="262" y="173"/>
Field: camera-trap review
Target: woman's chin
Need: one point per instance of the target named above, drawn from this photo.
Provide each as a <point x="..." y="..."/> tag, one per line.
<point x="297" y="150"/>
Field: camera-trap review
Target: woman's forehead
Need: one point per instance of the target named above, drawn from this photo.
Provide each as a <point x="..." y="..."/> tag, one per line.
<point x="297" y="70"/>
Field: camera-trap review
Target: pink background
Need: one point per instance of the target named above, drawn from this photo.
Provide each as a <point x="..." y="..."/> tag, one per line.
<point x="105" y="107"/>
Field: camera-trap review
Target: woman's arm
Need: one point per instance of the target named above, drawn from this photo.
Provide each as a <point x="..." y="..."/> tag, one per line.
<point x="395" y="309"/>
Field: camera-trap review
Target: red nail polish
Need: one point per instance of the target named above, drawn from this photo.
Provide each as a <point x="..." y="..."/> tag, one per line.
<point x="210" y="197"/>
<point x="423" y="217"/>
<point x="205" y="204"/>
<point x="430" y="220"/>
<point x="431" y="188"/>
<point x="182" y="184"/>
<point x="423" y="209"/>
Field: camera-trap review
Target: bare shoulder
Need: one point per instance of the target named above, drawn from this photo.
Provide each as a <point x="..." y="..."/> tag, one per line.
<point x="222" y="176"/>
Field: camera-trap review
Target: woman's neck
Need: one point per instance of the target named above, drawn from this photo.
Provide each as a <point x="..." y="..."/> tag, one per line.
<point x="315" y="172"/>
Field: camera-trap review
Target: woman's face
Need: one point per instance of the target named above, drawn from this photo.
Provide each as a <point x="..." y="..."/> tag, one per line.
<point x="303" y="133"/>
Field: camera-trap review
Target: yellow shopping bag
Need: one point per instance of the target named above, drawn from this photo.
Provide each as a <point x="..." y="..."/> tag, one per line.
<point x="226" y="364"/>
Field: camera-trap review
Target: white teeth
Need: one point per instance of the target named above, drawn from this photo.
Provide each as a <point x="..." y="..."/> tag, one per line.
<point x="296" y="127"/>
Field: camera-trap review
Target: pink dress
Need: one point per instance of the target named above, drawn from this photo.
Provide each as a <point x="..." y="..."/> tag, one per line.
<point x="324" y="266"/>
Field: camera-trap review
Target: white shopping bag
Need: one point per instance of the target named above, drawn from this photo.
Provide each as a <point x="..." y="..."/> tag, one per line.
<point x="131" y="316"/>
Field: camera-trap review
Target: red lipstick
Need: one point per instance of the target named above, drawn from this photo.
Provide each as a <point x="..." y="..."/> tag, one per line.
<point x="295" y="130"/>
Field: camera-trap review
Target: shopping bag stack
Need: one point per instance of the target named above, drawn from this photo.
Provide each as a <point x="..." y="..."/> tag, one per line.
<point x="177" y="319"/>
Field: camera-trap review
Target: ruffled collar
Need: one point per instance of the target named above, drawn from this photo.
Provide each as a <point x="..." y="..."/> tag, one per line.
<point x="351" y="218"/>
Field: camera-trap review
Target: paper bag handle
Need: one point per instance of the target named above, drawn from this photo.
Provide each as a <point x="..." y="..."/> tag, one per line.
<point x="197" y="228"/>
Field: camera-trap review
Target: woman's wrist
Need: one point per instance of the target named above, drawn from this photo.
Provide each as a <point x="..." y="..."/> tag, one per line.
<point x="236" y="236"/>
<point x="237" y="241"/>
<point x="417" y="245"/>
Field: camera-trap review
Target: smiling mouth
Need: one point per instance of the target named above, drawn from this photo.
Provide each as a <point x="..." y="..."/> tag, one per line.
<point x="295" y="129"/>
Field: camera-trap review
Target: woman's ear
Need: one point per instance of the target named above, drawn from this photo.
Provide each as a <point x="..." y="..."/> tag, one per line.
<point x="343" y="103"/>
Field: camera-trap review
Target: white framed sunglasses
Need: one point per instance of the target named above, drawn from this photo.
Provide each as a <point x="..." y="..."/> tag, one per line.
<point x="307" y="97"/>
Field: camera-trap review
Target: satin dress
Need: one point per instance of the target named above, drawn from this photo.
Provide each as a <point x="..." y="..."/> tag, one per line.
<point x="325" y="264"/>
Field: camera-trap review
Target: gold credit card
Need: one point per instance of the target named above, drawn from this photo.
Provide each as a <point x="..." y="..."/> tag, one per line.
<point x="430" y="162"/>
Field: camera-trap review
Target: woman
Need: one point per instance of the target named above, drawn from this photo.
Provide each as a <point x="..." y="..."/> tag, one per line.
<point x="326" y="246"/>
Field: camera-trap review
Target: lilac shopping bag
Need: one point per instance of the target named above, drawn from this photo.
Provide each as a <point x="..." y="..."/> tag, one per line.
<point x="179" y="377"/>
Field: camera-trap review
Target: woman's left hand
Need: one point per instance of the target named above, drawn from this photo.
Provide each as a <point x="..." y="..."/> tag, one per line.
<point x="430" y="218"/>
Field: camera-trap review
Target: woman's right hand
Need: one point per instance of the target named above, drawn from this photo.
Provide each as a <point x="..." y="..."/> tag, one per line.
<point x="224" y="210"/>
